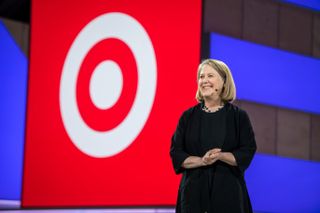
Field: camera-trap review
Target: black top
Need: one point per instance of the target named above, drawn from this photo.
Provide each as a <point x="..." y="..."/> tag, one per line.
<point x="210" y="137"/>
<point x="211" y="129"/>
<point x="219" y="187"/>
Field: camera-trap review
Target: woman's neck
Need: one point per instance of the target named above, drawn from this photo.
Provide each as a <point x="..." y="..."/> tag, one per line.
<point x="212" y="103"/>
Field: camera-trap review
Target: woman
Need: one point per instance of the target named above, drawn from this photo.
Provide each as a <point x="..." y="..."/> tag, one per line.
<point x="212" y="146"/>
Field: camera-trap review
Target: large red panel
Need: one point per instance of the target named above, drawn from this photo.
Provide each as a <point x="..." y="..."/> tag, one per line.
<point x="77" y="150"/>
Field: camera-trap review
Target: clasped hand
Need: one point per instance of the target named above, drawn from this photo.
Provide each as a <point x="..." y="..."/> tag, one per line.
<point x="211" y="156"/>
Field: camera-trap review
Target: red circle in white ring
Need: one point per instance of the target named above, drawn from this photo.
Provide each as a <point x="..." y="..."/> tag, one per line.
<point x="108" y="143"/>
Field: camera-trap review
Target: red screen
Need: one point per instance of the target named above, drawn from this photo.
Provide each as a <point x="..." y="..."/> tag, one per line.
<point x="108" y="82"/>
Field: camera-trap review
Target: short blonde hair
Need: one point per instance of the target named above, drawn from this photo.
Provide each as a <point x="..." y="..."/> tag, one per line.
<point x="228" y="93"/>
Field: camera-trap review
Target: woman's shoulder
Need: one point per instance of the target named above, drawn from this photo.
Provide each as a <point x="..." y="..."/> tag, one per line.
<point x="236" y="109"/>
<point x="190" y="110"/>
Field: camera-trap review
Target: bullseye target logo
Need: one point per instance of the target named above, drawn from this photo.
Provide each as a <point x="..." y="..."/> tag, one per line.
<point x="110" y="72"/>
<point x="108" y="81"/>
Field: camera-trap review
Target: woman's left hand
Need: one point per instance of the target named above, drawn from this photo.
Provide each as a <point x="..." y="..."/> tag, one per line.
<point x="212" y="156"/>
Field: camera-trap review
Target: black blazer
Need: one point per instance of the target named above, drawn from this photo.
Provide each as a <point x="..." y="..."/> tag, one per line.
<point x="229" y="192"/>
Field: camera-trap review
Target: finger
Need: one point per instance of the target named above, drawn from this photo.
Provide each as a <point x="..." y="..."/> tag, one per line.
<point x="215" y="150"/>
<point x="205" y="159"/>
<point x="208" y="154"/>
<point x="213" y="156"/>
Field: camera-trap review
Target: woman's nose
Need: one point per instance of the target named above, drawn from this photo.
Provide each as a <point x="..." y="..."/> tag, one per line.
<point x="205" y="79"/>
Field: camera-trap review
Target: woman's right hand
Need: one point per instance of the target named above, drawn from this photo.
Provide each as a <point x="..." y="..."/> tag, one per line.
<point x="211" y="156"/>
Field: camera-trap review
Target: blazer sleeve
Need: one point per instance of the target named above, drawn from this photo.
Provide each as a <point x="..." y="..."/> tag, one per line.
<point x="177" y="149"/>
<point x="247" y="144"/>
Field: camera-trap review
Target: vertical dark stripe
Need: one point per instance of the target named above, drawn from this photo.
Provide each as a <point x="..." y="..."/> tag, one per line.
<point x="276" y="132"/>
<point x="312" y="34"/>
<point x="310" y="138"/>
<point x="242" y="18"/>
<point x="278" y="25"/>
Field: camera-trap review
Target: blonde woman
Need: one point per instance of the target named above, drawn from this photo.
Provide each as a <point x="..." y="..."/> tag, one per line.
<point x="212" y="146"/>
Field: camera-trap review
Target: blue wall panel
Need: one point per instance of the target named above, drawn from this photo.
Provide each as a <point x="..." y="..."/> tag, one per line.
<point x="284" y="185"/>
<point x="270" y="76"/>
<point x="13" y="86"/>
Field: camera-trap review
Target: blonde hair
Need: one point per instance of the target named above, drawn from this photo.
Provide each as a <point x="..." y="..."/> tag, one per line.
<point x="228" y="93"/>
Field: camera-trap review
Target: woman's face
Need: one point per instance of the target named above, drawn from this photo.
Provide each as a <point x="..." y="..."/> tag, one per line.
<point x="210" y="83"/>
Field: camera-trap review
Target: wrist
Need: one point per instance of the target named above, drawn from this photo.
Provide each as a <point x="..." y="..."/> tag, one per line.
<point x="221" y="156"/>
<point x="202" y="162"/>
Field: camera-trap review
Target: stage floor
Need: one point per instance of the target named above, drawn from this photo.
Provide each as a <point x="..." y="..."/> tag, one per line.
<point x="162" y="210"/>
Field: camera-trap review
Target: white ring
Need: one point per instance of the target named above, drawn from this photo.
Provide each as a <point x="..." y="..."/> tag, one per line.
<point x="125" y="28"/>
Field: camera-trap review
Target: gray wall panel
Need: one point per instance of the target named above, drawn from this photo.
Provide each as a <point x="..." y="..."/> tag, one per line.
<point x="223" y="16"/>
<point x="315" y="137"/>
<point x="316" y="35"/>
<point x="293" y="134"/>
<point x="263" y="119"/>
<point x="261" y="22"/>
<point x="295" y="29"/>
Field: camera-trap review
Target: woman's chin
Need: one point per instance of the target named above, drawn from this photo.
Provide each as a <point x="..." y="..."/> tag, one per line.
<point x="207" y="95"/>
